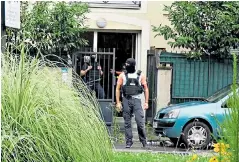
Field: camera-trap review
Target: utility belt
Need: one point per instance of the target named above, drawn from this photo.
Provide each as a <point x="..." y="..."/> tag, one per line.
<point x="128" y="97"/>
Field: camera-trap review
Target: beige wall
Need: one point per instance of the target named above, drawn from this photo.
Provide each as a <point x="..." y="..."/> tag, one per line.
<point x="163" y="87"/>
<point x="139" y="21"/>
<point x="151" y="11"/>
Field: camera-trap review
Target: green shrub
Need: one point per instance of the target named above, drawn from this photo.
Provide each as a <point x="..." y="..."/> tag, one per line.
<point x="231" y="125"/>
<point x="44" y="119"/>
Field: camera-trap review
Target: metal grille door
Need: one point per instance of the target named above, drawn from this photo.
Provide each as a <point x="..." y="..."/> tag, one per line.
<point x="104" y="60"/>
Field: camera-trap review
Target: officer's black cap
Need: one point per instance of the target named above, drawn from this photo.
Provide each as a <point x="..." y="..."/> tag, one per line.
<point x="131" y="62"/>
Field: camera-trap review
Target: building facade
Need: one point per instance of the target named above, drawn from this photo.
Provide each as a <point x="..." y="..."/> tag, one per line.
<point x="130" y="21"/>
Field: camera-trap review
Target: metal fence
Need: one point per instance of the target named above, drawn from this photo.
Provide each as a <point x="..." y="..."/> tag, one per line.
<point x="196" y="79"/>
<point x="105" y="59"/>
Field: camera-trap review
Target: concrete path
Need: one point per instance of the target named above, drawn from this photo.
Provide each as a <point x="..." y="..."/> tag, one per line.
<point x="137" y="148"/>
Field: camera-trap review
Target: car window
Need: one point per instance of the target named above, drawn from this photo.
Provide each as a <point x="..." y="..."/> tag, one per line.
<point x="220" y="94"/>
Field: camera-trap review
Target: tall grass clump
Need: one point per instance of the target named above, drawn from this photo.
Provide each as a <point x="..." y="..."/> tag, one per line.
<point x="44" y="119"/>
<point x="231" y="123"/>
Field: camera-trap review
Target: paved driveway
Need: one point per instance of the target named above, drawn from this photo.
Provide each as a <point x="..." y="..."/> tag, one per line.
<point x="137" y="147"/>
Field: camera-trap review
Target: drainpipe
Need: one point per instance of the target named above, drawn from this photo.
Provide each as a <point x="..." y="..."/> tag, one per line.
<point x="3" y="27"/>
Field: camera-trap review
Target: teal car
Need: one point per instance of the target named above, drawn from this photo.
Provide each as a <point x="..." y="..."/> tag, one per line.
<point x="193" y="123"/>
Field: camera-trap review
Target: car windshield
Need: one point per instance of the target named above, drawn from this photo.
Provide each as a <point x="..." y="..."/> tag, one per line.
<point x="219" y="94"/>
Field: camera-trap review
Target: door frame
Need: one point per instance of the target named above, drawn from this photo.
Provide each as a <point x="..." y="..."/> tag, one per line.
<point x="137" y="42"/>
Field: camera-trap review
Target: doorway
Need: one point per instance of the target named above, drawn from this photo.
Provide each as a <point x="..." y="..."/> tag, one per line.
<point x="102" y="44"/>
<point x="124" y="44"/>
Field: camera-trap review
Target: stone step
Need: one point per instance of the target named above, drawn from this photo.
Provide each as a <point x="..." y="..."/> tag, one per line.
<point x="119" y="121"/>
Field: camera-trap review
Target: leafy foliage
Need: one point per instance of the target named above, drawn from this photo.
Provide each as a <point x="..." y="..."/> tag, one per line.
<point x="204" y="27"/>
<point x="51" y="27"/>
<point x="44" y="119"/>
<point x="230" y="125"/>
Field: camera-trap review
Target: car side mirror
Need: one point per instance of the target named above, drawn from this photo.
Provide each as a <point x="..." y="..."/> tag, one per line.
<point x="224" y="106"/>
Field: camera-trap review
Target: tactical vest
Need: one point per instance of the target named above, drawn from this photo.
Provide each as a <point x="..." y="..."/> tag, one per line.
<point x="132" y="86"/>
<point x="94" y="73"/>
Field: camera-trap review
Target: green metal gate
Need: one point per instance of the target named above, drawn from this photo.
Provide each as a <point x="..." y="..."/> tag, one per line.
<point x="196" y="79"/>
<point x="152" y="71"/>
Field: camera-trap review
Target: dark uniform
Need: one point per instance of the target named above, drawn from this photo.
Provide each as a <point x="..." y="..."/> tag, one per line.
<point x="131" y="83"/>
<point x="92" y="79"/>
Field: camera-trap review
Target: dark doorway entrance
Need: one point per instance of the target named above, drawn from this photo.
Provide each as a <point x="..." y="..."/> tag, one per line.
<point x="124" y="44"/>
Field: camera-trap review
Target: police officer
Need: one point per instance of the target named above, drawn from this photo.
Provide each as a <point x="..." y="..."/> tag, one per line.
<point x="91" y="72"/>
<point x="118" y="72"/>
<point x="120" y="69"/>
<point x="133" y="84"/>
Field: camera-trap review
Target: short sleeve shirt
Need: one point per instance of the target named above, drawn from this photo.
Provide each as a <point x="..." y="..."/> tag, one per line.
<point x="86" y="78"/>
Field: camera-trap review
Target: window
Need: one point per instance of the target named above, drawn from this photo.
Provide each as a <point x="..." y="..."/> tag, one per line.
<point x="89" y="36"/>
<point x="114" y="4"/>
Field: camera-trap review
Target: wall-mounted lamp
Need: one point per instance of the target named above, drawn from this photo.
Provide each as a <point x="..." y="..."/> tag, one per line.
<point x="101" y="23"/>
